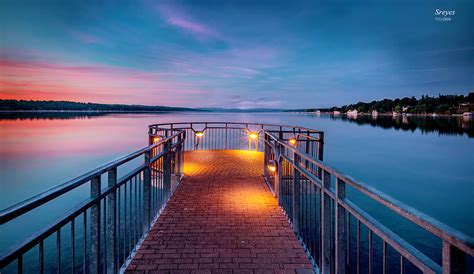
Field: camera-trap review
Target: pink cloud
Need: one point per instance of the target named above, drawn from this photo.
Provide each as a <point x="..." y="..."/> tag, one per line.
<point x="58" y="81"/>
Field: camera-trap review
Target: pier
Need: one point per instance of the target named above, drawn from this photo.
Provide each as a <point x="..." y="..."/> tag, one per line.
<point x="222" y="218"/>
<point x="221" y="197"/>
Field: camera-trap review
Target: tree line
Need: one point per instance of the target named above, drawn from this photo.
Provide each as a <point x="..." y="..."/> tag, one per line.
<point x="31" y="105"/>
<point x="443" y="104"/>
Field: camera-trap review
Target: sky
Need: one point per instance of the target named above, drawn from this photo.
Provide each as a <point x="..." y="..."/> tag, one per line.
<point x="234" y="54"/>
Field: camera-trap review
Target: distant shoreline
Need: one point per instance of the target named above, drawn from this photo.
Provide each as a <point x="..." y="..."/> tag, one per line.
<point x="33" y="106"/>
<point x="384" y="114"/>
<point x="143" y="111"/>
<point x="97" y="111"/>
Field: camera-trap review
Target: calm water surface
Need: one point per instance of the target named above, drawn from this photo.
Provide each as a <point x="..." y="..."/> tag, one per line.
<point x="425" y="169"/>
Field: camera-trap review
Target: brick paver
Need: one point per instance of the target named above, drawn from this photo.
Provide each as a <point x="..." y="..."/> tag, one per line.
<point x="221" y="219"/>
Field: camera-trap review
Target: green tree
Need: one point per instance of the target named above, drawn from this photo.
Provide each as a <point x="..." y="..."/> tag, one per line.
<point x="444" y="108"/>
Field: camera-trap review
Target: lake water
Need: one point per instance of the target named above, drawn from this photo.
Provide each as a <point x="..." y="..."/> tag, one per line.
<point x="426" y="163"/>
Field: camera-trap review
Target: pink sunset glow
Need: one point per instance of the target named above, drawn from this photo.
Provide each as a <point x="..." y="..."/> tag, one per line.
<point x="97" y="83"/>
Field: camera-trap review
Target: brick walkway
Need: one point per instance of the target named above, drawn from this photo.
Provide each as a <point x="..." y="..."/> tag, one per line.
<point x="222" y="219"/>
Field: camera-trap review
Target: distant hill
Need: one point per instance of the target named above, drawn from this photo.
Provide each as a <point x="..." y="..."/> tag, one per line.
<point x="31" y="105"/>
<point x="26" y="105"/>
<point x="242" y="110"/>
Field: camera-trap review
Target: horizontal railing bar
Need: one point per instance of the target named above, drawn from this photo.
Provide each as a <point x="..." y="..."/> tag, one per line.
<point x="297" y="132"/>
<point x="122" y="180"/>
<point x="235" y="123"/>
<point x="302" y="140"/>
<point x="408" y="251"/>
<point x="46" y="196"/>
<point x="11" y="254"/>
<point x="163" y="153"/>
<point x="34" y="239"/>
<point x="315" y="180"/>
<point x="443" y="231"/>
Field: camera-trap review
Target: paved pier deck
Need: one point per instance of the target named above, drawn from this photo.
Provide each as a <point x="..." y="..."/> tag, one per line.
<point x="222" y="219"/>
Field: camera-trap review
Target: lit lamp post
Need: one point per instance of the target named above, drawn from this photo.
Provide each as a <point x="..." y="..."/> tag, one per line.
<point x="197" y="136"/>
<point x="253" y="136"/>
<point x="292" y="141"/>
<point x="153" y="139"/>
<point x="272" y="166"/>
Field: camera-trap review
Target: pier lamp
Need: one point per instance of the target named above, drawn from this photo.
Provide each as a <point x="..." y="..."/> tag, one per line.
<point x="199" y="134"/>
<point x="156" y="139"/>
<point x="272" y="166"/>
<point x="253" y="135"/>
<point x="292" y="141"/>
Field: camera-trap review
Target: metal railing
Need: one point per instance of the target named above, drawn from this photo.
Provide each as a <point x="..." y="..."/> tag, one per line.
<point x="103" y="230"/>
<point x="110" y="225"/>
<point x="313" y="195"/>
<point x="241" y="136"/>
<point x="228" y="135"/>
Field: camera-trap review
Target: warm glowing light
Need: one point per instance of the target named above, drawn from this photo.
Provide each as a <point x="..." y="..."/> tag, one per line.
<point x="272" y="166"/>
<point x="253" y="135"/>
<point x="199" y="133"/>
<point x="292" y="141"/>
<point x="156" y="139"/>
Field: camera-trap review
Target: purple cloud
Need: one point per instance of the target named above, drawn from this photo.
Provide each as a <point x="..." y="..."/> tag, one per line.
<point x="177" y="17"/>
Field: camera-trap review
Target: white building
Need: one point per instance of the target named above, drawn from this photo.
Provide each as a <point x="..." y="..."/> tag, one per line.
<point x="352" y="113"/>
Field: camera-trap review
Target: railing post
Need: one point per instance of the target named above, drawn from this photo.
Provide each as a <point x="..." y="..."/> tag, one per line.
<point x="308" y="141"/>
<point x="296" y="194"/>
<point x="279" y="173"/>
<point x="320" y="151"/>
<point x="167" y="169"/>
<point x="147" y="190"/>
<point x="179" y="151"/>
<point x="341" y="240"/>
<point x="266" y="152"/>
<point x="94" y="255"/>
<point x="111" y="232"/>
<point x="454" y="260"/>
<point x="325" y="223"/>
<point x="321" y="146"/>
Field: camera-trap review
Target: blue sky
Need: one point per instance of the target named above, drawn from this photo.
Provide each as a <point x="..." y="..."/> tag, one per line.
<point x="271" y="54"/>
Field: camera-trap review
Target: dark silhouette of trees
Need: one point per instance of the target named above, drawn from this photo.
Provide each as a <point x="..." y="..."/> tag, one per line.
<point x="16" y="105"/>
<point x="443" y="104"/>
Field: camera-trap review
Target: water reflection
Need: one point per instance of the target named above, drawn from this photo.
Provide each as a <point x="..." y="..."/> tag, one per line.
<point x="49" y="115"/>
<point x="444" y="125"/>
<point x="40" y="150"/>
